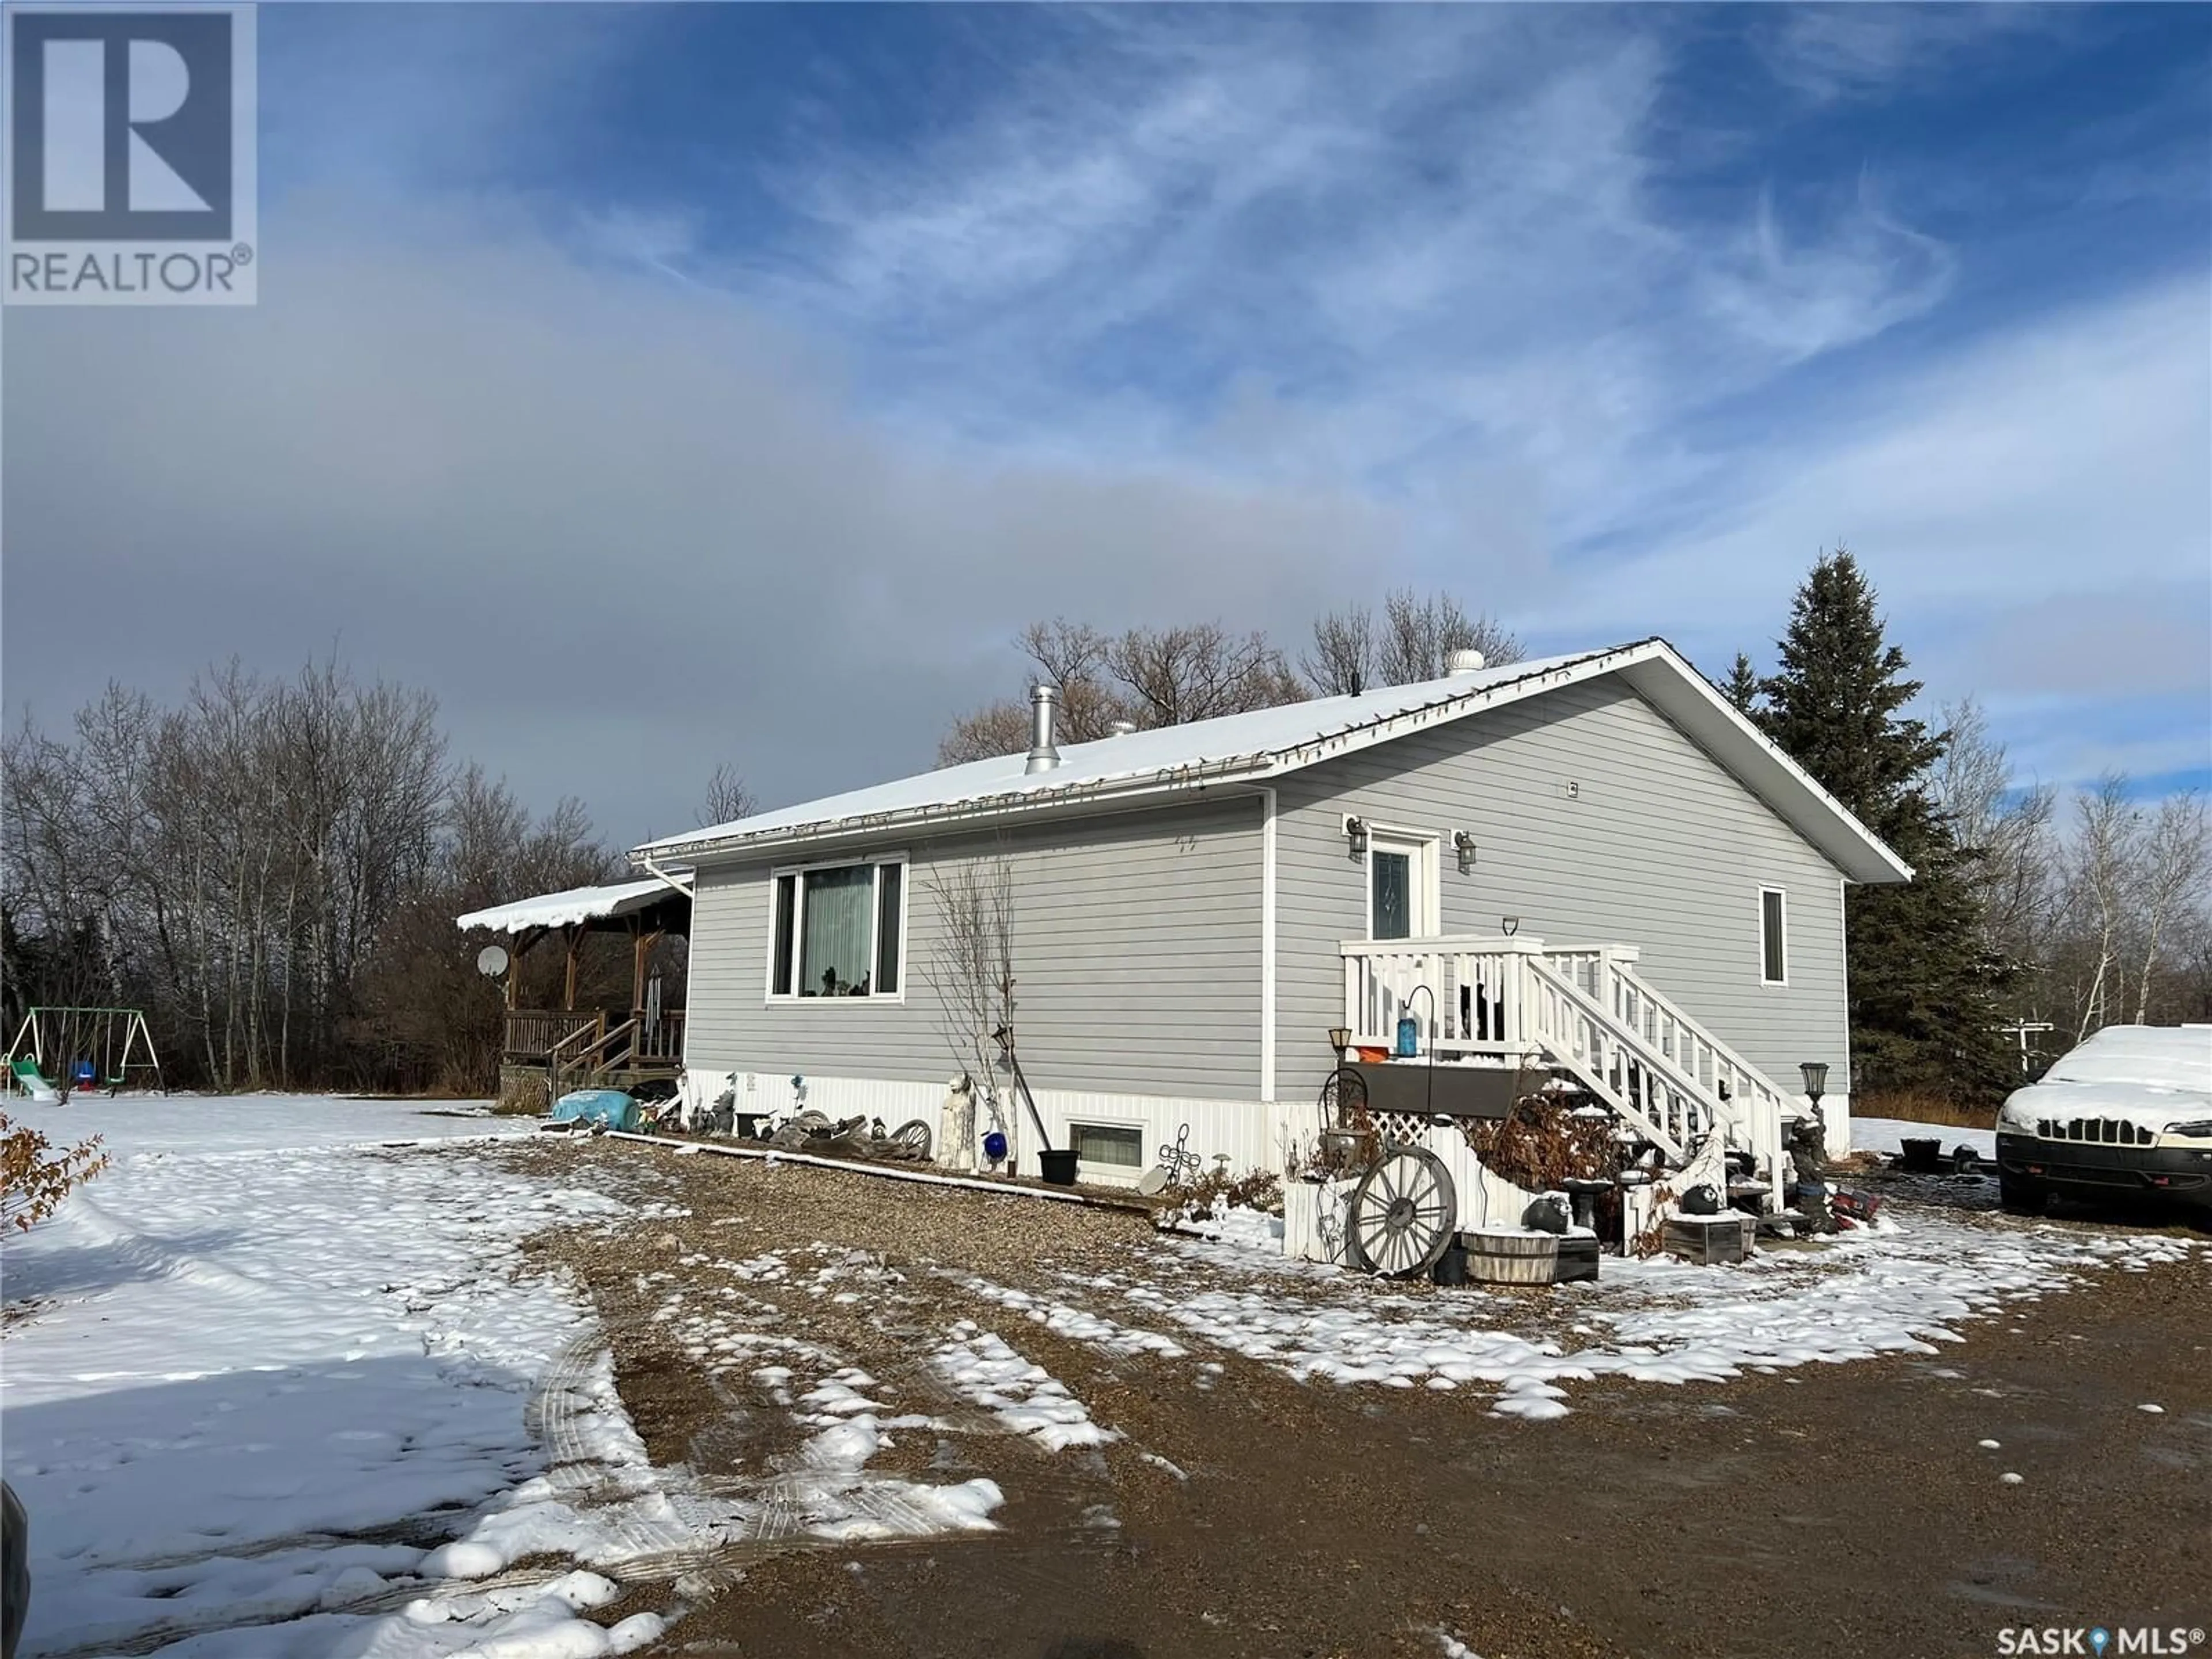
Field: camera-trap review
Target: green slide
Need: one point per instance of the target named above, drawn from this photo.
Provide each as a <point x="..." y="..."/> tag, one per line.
<point x="32" y="1081"/>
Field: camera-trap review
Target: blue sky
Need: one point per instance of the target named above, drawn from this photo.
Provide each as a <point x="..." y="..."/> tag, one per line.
<point x="779" y="362"/>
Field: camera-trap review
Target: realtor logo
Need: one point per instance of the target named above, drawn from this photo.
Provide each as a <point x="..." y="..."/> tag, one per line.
<point x="131" y="156"/>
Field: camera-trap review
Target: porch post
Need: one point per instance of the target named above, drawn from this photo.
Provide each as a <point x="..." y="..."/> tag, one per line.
<point x="641" y="950"/>
<point x="574" y="937"/>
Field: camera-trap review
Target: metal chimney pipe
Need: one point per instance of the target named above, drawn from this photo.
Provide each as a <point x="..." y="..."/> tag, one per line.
<point x="1044" y="754"/>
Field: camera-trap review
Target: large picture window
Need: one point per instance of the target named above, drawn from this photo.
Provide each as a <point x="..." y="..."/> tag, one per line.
<point x="838" y="931"/>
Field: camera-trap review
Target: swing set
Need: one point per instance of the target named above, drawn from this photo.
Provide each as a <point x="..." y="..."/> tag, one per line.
<point x="57" y="1050"/>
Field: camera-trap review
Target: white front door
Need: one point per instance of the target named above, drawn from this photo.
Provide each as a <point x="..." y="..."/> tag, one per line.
<point x="1399" y="904"/>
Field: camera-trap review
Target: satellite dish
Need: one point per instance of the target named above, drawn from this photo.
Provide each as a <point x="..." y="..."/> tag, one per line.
<point x="491" y="961"/>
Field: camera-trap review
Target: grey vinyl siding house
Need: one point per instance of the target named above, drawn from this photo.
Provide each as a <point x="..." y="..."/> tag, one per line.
<point x="1185" y="901"/>
<point x="1659" y="846"/>
<point x="1137" y="939"/>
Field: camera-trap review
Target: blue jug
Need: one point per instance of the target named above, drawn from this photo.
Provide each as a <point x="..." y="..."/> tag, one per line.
<point x="1409" y="1037"/>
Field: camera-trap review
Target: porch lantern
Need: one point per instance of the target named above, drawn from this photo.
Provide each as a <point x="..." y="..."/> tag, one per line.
<point x="1339" y="1038"/>
<point x="1816" y="1080"/>
<point x="1355" y="831"/>
<point x="1463" y="844"/>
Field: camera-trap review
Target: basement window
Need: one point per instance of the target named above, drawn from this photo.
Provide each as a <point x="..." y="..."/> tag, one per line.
<point x="1773" y="937"/>
<point x="1107" y="1144"/>
<point x="838" y="930"/>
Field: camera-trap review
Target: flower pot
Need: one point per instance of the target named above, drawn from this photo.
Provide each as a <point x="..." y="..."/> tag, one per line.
<point x="1058" y="1166"/>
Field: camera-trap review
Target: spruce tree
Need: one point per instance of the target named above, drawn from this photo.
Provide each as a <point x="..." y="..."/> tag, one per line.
<point x="1742" y="686"/>
<point x="1922" y="993"/>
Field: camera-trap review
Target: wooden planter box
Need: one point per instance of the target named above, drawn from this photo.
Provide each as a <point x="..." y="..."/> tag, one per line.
<point x="1709" y="1240"/>
<point x="1516" y="1258"/>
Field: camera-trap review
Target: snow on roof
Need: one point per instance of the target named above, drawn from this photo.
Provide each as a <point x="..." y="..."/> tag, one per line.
<point x="1265" y="742"/>
<point x="566" y="909"/>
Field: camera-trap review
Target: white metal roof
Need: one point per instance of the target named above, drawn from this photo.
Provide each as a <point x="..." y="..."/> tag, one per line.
<point x="576" y="904"/>
<point x="1268" y="743"/>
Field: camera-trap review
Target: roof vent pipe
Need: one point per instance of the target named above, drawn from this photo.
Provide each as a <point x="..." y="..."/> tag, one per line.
<point x="1120" y="728"/>
<point x="1044" y="754"/>
<point x="1464" y="662"/>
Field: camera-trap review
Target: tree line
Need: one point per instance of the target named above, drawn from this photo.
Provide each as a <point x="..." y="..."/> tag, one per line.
<point x="271" y="870"/>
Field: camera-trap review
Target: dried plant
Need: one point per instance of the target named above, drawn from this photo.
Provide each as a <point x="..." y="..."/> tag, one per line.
<point x="970" y="967"/>
<point x="34" y="1178"/>
<point x="1541" y="1143"/>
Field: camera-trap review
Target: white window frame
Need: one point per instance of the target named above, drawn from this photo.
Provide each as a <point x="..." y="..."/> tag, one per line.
<point x="1428" y="886"/>
<point x="876" y="861"/>
<point x="1128" y="1172"/>
<point x="1782" y="918"/>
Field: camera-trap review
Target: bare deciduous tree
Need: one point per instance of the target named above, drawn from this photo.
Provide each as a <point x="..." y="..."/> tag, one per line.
<point x="1413" y="641"/>
<point x="2173" y="860"/>
<point x="2005" y="831"/>
<point x="271" y="870"/>
<point x="970" y="968"/>
<point x="1146" y="677"/>
<point x="1175" y="675"/>
<point x="727" y="799"/>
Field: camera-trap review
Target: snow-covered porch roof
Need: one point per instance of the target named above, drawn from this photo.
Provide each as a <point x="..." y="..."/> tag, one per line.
<point x="585" y="907"/>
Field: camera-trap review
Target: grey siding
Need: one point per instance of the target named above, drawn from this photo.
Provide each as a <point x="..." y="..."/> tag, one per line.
<point x="1136" y="956"/>
<point x="1660" y="848"/>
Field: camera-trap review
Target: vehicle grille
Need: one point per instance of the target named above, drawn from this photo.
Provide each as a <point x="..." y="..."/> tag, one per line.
<point x="2100" y="1131"/>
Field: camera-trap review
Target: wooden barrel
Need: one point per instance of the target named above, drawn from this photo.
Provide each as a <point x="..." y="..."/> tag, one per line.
<point x="1514" y="1258"/>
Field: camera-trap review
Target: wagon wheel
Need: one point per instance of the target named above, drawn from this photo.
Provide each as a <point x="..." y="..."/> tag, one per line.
<point x="1402" y="1215"/>
<point x="1344" y="1100"/>
<point x="911" y="1138"/>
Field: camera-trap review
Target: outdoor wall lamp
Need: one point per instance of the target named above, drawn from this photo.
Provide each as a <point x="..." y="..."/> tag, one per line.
<point x="1463" y="844"/>
<point x="1355" y="831"/>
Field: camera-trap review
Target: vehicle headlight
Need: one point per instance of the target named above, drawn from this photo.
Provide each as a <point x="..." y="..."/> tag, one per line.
<point x="2195" y="1129"/>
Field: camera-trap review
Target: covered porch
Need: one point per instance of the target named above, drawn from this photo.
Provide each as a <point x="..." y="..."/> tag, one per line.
<point x="554" y="1050"/>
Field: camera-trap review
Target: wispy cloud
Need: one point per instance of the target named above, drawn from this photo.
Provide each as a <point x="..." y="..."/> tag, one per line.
<point x="1609" y="318"/>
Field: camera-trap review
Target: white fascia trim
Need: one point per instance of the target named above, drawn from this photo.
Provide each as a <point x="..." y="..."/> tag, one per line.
<point x="1268" y="947"/>
<point x="1164" y="789"/>
<point x="1874" y="860"/>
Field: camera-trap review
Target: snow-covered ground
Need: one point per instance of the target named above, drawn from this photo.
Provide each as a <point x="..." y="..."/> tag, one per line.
<point x="1887" y="1135"/>
<point x="258" y="1359"/>
<point x="1901" y="1287"/>
<point x="276" y="1391"/>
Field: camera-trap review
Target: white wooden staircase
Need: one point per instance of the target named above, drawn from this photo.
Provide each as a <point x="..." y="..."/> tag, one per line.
<point x="1583" y="1012"/>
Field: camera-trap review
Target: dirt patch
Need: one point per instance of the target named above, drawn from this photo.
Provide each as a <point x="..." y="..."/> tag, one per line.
<point x="1846" y="1508"/>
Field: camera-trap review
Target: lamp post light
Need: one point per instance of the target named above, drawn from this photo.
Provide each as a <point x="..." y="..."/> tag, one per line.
<point x="1816" y="1081"/>
<point x="1339" y="1038"/>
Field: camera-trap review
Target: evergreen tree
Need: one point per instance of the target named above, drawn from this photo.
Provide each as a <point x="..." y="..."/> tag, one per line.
<point x="1923" y="992"/>
<point x="1742" y="686"/>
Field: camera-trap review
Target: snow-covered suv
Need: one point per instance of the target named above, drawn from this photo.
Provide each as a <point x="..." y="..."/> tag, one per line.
<point x="2126" y="1116"/>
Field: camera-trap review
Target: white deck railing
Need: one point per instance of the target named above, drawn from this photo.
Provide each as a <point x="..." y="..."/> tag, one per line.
<point x="1584" y="1009"/>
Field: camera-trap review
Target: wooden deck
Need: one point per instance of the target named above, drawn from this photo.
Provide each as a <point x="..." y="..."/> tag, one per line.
<point x="575" y="1048"/>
